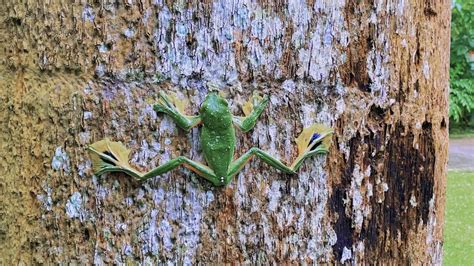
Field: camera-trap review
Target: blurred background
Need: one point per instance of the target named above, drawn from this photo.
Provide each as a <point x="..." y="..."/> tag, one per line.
<point x="459" y="227"/>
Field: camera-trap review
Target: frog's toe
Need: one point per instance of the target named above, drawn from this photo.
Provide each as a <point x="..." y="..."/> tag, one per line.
<point x="256" y="101"/>
<point x="263" y="99"/>
<point x="109" y="156"/>
<point x="165" y="100"/>
<point x="258" y="98"/>
<point x="173" y="102"/>
<point x="317" y="136"/>
<point x="159" y="108"/>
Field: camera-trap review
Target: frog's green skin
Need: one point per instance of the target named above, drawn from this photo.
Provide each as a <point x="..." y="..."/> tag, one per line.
<point x="217" y="141"/>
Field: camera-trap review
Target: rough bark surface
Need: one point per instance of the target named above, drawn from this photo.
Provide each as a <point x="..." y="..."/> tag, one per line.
<point x="73" y="73"/>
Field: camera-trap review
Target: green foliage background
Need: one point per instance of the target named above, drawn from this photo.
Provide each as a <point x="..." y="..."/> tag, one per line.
<point x="461" y="66"/>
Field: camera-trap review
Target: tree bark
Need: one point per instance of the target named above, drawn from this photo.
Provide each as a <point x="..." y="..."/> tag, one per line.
<point x="74" y="73"/>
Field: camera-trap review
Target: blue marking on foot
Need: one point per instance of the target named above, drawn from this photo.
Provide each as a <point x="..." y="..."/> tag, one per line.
<point x="314" y="137"/>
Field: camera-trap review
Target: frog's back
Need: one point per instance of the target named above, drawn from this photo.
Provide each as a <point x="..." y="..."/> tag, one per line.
<point x="217" y="134"/>
<point x="218" y="148"/>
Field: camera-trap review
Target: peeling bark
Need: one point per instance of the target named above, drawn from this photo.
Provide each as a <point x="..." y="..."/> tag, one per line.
<point x="74" y="73"/>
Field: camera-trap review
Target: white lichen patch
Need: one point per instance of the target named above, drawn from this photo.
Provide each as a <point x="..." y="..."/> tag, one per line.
<point x="146" y="154"/>
<point x="167" y="126"/>
<point x="87" y="115"/>
<point x="370" y="192"/>
<point x="272" y="132"/>
<point x="83" y="167"/>
<point x="46" y="199"/>
<point x="85" y="137"/>
<point x="60" y="160"/>
<point x="100" y="70"/>
<point x="88" y="14"/>
<point x="413" y="202"/>
<point x="129" y="32"/>
<point x="378" y="59"/>
<point x="426" y="69"/>
<point x="340" y="106"/>
<point x="360" y="208"/>
<point x="274" y="196"/>
<point x="346" y="255"/>
<point x="102" y="48"/>
<point x="150" y="235"/>
<point x="101" y="192"/>
<point x="74" y="206"/>
<point x="127" y="249"/>
<point x="357" y="209"/>
<point x="431" y="222"/>
<point x="288" y="85"/>
<point x="147" y="114"/>
<point x="158" y="232"/>
<point x="358" y="175"/>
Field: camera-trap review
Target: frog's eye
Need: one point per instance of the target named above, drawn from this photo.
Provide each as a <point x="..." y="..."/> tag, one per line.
<point x="224" y="102"/>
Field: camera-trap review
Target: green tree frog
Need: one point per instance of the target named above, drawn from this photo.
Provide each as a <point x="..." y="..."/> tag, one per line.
<point x="217" y="141"/>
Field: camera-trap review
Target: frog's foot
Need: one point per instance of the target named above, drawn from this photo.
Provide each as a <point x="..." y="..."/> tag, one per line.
<point x="110" y="156"/>
<point x="252" y="109"/>
<point x="255" y="103"/>
<point x="170" y="104"/>
<point x="315" y="139"/>
<point x="174" y="107"/>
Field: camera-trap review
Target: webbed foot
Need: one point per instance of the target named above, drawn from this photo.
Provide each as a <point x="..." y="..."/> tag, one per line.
<point x="174" y="107"/>
<point x="110" y="156"/>
<point x="252" y="109"/>
<point x="315" y="139"/>
<point x="256" y="102"/>
<point x="170" y="104"/>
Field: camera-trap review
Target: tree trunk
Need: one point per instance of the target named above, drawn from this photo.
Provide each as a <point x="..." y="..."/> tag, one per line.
<point x="72" y="74"/>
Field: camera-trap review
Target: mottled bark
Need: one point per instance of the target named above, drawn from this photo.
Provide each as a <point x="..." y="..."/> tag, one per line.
<point x="73" y="73"/>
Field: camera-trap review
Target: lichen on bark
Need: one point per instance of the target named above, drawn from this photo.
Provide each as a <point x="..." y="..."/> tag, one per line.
<point x="74" y="73"/>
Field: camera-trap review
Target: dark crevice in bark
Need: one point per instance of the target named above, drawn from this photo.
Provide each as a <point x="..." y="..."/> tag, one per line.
<point x="377" y="113"/>
<point x="408" y="173"/>
<point x="443" y="124"/>
<point x="343" y="223"/>
<point x="354" y="71"/>
<point x="401" y="95"/>
<point x="402" y="176"/>
<point x="429" y="10"/>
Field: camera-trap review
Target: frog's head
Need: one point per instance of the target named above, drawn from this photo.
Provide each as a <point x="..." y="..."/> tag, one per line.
<point x="215" y="111"/>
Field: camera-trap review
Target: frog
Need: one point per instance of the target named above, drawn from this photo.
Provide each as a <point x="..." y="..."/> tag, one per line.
<point x="218" y="140"/>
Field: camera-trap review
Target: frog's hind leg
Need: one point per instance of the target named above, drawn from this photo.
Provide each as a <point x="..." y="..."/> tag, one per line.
<point x="108" y="156"/>
<point x="313" y="140"/>
<point x="238" y="164"/>
<point x="196" y="167"/>
<point x="174" y="107"/>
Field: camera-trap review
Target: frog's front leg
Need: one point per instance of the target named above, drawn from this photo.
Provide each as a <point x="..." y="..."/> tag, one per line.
<point x="175" y="109"/>
<point x="314" y="140"/>
<point x="252" y="110"/>
<point x="108" y="156"/>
